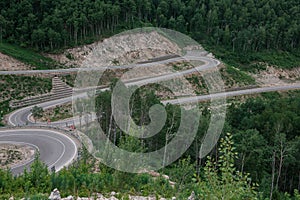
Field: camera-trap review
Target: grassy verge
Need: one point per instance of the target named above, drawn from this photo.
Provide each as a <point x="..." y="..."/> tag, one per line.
<point x="252" y="61"/>
<point x="69" y="79"/>
<point x="234" y="76"/>
<point x="57" y="113"/>
<point x="198" y="83"/>
<point x="29" y="57"/>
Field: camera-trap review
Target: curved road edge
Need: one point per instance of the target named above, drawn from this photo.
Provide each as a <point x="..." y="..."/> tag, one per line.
<point x="68" y="142"/>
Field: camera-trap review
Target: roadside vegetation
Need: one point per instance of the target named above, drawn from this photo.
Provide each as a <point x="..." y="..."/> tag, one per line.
<point x="57" y="113"/>
<point x="18" y="87"/>
<point x="81" y="180"/>
<point x="253" y="61"/>
<point x="234" y="77"/>
<point x="264" y="144"/>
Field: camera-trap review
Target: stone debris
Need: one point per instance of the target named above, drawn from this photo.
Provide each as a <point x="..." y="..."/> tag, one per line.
<point x="15" y="154"/>
<point x="55" y="195"/>
<point x="120" y="49"/>
<point x="192" y="196"/>
<point x="166" y="177"/>
<point x="275" y="76"/>
<point x="69" y="198"/>
<point x="154" y="174"/>
<point x="141" y="198"/>
<point x="113" y="194"/>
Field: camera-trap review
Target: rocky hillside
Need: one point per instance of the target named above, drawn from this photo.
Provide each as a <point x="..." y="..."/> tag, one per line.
<point x="119" y="50"/>
<point x="9" y="63"/>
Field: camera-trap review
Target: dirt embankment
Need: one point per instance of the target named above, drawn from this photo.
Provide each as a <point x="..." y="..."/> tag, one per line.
<point x="276" y="76"/>
<point x="11" y="64"/>
<point x="119" y="50"/>
<point x="15" y="154"/>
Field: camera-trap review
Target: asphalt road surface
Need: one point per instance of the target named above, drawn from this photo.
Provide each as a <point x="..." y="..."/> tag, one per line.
<point x="55" y="149"/>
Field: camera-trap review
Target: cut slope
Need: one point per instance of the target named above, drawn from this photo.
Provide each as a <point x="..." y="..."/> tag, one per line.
<point x="120" y="50"/>
<point x="9" y="63"/>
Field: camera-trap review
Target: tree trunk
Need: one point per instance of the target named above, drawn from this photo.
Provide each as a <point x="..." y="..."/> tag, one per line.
<point x="1" y="35"/>
<point x="291" y="185"/>
<point x="198" y="159"/>
<point x="299" y="182"/>
<point x="167" y="138"/>
<point x="280" y="164"/>
<point x="80" y="116"/>
<point x="243" y="163"/>
<point x="165" y="148"/>
<point x="273" y="176"/>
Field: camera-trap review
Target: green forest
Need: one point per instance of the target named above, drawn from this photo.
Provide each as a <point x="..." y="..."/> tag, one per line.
<point x="250" y="25"/>
<point x="265" y="132"/>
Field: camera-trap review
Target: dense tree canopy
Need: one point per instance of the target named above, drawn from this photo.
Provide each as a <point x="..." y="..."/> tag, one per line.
<point x="244" y="25"/>
<point x="266" y="135"/>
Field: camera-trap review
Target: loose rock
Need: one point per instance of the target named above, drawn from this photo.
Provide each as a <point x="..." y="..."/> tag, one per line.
<point x="55" y="195"/>
<point x="192" y="196"/>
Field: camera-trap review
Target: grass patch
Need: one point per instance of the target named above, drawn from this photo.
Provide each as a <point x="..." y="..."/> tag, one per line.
<point x="199" y="83"/>
<point x="69" y="79"/>
<point x="233" y="76"/>
<point x="281" y="59"/>
<point x="57" y="113"/>
<point x="252" y="61"/>
<point x="29" y="57"/>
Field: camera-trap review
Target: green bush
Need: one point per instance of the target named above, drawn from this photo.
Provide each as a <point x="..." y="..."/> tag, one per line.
<point x="221" y="180"/>
<point x="39" y="197"/>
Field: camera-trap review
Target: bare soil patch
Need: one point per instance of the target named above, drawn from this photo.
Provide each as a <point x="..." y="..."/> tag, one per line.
<point x="8" y="63"/>
<point x="15" y="154"/>
<point x="275" y="76"/>
<point x="118" y="50"/>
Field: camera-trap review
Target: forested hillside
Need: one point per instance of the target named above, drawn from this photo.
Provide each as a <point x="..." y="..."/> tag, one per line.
<point x="265" y="131"/>
<point x="250" y="25"/>
<point x="265" y="143"/>
<point x="260" y="159"/>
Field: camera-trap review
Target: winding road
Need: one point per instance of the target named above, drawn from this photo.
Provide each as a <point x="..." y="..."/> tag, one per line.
<point x="57" y="149"/>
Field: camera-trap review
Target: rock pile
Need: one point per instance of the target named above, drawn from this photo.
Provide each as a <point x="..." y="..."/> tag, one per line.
<point x="55" y="195"/>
